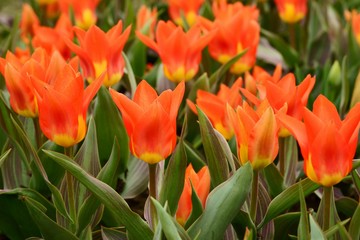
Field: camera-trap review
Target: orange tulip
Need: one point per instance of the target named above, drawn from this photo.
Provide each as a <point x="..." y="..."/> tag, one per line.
<point x="255" y="82"/>
<point x="201" y="183"/>
<point x="146" y="20"/>
<point x="150" y="120"/>
<point x="101" y="52"/>
<point x="28" y="21"/>
<point x="354" y="18"/>
<point x="227" y="43"/>
<point x="84" y="11"/>
<point x="291" y="11"/>
<point x="327" y="144"/>
<point x="52" y="39"/>
<point x="63" y="105"/>
<point x="256" y="134"/>
<point x="17" y="79"/>
<point x="285" y="92"/>
<point x="214" y="106"/>
<point x="189" y="9"/>
<point x="181" y="61"/>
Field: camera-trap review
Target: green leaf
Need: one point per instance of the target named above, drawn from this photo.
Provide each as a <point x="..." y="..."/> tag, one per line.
<point x="108" y="196"/>
<point x="57" y="198"/>
<point x="6" y="123"/>
<point x="217" y="154"/>
<point x="317" y="24"/>
<point x="88" y="158"/>
<point x="315" y="229"/>
<point x="345" y="87"/>
<point x="137" y="57"/>
<point x="49" y="229"/>
<point x="242" y="221"/>
<point x="291" y="160"/>
<point x="4" y="156"/>
<point x="109" y="125"/>
<point x="337" y="228"/>
<point x="354" y="229"/>
<point x="344" y="235"/>
<point x="174" y="179"/>
<point x="303" y="229"/>
<point x="54" y="172"/>
<point x="15" y="221"/>
<point x="287" y="198"/>
<point x="356" y="179"/>
<point x="15" y="172"/>
<point x="201" y="83"/>
<point x="346" y="206"/>
<point x="112" y="234"/>
<point x="289" y="54"/>
<point x="166" y="220"/>
<point x="137" y="178"/>
<point x="197" y="208"/>
<point x="327" y="214"/>
<point x="286" y="224"/>
<point x="222" y="205"/>
<point x="130" y="73"/>
<point x="216" y="76"/>
<point x="274" y="180"/>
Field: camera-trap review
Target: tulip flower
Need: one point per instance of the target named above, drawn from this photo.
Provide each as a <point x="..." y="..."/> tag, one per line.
<point x="17" y="78"/>
<point x="28" y="21"/>
<point x="63" y="105"/>
<point x="285" y="92"/>
<point x="52" y="39"/>
<point x="327" y="144"/>
<point x="150" y="120"/>
<point x="201" y="184"/>
<point x="181" y="61"/>
<point x="256" y="134"/>
<point x="255" y="82"/>
<point x="227" y="43"/>
<point x="146" y="20"/>
<point x="354" y="18"/>
<point x="84" y="11"/>
<point x="101" y="52"/>
<point x="189" y="9"/>
<point x="291" y="11"/>
<point x="214" y="106"/>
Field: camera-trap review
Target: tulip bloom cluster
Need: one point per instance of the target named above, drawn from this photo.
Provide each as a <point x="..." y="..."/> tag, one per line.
<point x="227" y="43"/>
<point x="56" y="75"/>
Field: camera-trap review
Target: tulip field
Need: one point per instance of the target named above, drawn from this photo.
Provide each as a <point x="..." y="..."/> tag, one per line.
<point x="173" y="119"/>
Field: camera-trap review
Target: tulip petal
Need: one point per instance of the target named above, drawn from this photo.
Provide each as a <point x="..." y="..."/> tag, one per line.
<point x="153" y="139"/>
<point x="144" y="94"/>
<point x="326" y="110"/>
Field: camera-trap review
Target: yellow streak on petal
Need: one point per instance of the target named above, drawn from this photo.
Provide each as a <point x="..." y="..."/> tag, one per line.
<point x="225" y="132"/>
<point x="151" y="158"/>
<point x="179" y="75"/>
<point x="66" y="140"/>
<point x="87" y="19"/>
<point x="290" y="15"/>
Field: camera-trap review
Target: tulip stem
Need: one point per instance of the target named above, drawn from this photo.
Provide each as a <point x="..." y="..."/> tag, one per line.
<point x="70" y="191"/>
<point x="327" y="195"/>
<point x="152" y="191"/>
<point x="292" y="35"/>
<point x="282" y="154"/>
<point x="38" y="133"/>
<point x="254" y="195"/>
